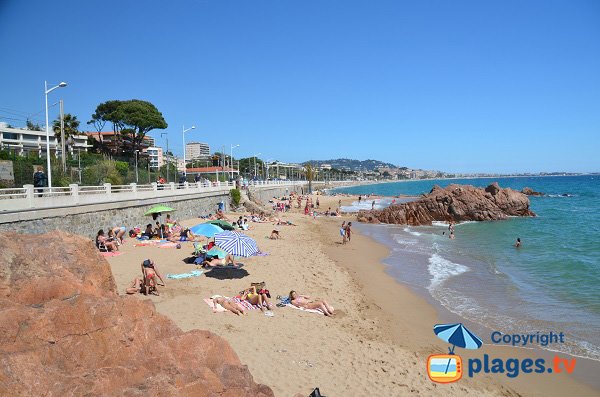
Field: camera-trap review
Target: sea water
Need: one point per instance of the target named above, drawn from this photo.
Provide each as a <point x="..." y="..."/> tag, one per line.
<point x="550" y="283"/>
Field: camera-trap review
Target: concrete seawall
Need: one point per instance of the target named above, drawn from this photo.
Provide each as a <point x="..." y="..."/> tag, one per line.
<point x="86" y="220"/>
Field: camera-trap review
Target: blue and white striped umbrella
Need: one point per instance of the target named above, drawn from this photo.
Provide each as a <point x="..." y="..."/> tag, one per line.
<point x="457" y="335"/>
<point x="236" y="243"/>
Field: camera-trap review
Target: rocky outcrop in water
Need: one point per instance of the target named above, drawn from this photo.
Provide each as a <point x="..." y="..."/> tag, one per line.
<point x="530" y="192"/>
<point x="64" y="331"/>
<point x="456" y="203"/>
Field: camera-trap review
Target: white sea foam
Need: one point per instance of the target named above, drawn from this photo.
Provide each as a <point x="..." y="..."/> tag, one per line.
<point x="442" y="269"/>
<point x="407" y="230"/>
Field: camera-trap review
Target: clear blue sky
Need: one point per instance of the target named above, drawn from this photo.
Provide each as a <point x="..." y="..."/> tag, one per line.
<point x="460" y="86"/>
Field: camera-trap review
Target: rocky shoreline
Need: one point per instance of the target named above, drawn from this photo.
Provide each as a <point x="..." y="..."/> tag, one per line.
<point x="455" y="203"/>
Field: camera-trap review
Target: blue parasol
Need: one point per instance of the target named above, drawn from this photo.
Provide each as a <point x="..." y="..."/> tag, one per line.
<point x="206" y="229"/>
<point x="457" y="335"/>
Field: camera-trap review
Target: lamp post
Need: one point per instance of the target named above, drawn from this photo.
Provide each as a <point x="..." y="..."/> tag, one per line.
<point x="46" y="92"/>
<point x="257" y="154"/>
<point x="136" y="166"/>
<point x="183" y="131"/>
<point x="167" y="156"/>
<point x="231" y="158"/>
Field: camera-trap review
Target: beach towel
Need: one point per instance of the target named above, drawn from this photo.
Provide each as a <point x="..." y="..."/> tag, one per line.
<point x="193" y="273"/>
<point x="245" y="304"/>
<point x="143" y="243"/>
<point x="111" y="253"/>
<point x="168" y="245"/>
<point x="304" y="310"/>
<point x="209" y="302"/>
<point x="262" y="253"/>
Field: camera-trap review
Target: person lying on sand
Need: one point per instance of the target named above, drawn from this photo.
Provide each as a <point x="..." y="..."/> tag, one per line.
<point x="228" y="260"/>
<point x="305" y="302"/>
<point x="136" y="286"/>
<point x="149" y="264"/>
<point x="226" y="304"/>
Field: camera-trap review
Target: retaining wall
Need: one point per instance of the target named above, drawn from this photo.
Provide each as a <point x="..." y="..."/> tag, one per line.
<point x="86" y="220"/>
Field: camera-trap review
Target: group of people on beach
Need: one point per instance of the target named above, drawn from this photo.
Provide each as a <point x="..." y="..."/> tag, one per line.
<point x="258" y="295"/>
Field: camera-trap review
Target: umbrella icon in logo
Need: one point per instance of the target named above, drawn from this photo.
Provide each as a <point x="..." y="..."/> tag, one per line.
<point x="457" y="335"/>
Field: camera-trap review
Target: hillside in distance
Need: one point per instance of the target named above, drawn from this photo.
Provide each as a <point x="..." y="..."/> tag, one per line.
<point x="353" y="165"/>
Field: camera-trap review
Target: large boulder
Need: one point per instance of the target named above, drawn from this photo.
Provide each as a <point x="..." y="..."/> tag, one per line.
<point x="64" y="330"/>
<point x="456" y="203"/>
<point x="530" y="192"/>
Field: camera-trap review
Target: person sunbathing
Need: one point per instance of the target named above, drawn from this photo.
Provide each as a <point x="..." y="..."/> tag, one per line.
<point x="149" y="265"/>
<point x="252" y="296"/>
<point x="136" y="286"/>
<point x="110" y="244"/>
<point x="216" y="261"/>
<point x="221" y="215"/>
<point x="226" y="304"/>
<point x="304" y="301"/>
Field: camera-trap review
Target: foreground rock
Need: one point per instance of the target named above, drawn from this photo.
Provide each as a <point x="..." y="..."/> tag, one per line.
<point x="65" y="331"/>
<point x="456" y="203"/>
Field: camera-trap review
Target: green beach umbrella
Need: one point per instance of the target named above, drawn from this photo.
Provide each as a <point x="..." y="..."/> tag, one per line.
<point x="159" y="209"/>
<point x="224" y="225"/>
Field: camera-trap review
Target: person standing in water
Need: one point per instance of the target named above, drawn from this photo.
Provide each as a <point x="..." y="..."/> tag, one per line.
<point x="373" y="205"/>
<point x="359" y="199"/>
<point x="518" y="243"/>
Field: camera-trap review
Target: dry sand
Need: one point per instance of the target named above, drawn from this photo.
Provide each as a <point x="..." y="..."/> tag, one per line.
<point x="377" y="344"/>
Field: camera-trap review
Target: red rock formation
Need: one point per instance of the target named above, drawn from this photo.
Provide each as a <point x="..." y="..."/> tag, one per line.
<point x="455" y="203"/>
<point x="530" y="192"/>
<point x="65" y="331"/>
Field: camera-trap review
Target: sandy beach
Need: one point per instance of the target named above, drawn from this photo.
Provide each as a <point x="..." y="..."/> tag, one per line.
<point x="376" y="344"/>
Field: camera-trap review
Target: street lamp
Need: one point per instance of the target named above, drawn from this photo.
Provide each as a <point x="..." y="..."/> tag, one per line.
<point x="183" y="131"/>
<point x="257" y="154"/>
<point x="136" y="166"/>
<point x="46" y="92"/>
<point x="231" y="158"/>
<point x="167" y="154"/>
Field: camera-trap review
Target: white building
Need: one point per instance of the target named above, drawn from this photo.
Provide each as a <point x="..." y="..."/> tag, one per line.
<point x="155" y="156"/>
<point x="24" y="141"/>
<point x="196" y="150"/>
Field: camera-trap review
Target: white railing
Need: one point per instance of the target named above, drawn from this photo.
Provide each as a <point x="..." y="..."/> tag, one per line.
<point x="29" y="197"/>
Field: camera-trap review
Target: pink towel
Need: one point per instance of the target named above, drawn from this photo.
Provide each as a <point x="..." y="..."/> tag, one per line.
<point x="168" y="245"/>
<point x="111" y="253"/>
<point x="220" y="309"/>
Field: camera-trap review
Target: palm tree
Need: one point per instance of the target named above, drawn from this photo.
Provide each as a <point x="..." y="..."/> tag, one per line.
<point x="310" y="174"/>
<point x="71" y="126"/>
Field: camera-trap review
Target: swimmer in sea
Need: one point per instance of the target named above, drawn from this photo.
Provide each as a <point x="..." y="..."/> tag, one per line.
<point x="518" y="243"/>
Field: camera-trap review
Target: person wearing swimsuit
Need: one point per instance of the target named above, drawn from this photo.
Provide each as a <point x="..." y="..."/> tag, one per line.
<point x="304" y="301"/>
<point x="149" y="264"/>
<point x="226" y="304"/>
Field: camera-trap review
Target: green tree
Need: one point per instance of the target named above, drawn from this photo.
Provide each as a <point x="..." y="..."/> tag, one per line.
<point x="310" y="174"/>
<point x="33" y="127"/>
<point x="71" y="125"/>
<point x="140" y="117"/>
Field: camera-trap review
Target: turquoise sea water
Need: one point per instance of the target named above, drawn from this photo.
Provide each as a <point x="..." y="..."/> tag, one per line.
<point x="551" y="283"/>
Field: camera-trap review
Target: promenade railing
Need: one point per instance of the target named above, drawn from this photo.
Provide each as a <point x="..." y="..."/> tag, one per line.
<point x="30" y="198"/>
